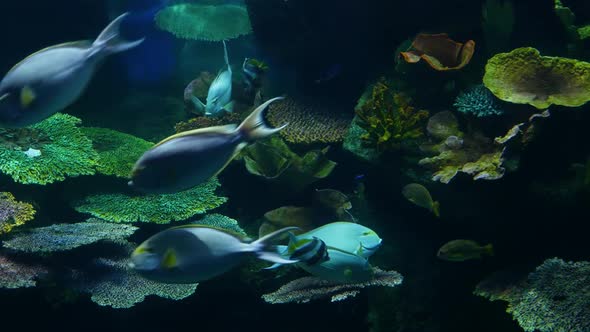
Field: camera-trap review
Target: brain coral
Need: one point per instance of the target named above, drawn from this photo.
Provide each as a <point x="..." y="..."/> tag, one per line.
<point x="13" y="213"/>
<point x="204" y="22"/>
<point x="117" y="151"/>
<point x="308" y="123"/>
<point x="17" y="275"/>
<point x="160" y="209"/>
<point x="64" y="151"/>
<point x="523" y="76"/>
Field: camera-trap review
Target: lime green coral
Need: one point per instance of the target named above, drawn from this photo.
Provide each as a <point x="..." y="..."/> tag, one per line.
<point x="117" y="151"/>
<point x="204" y="22"/>
<point x="63" y="151"/>
<point x="13" y="213"/>
<point x="160" y="209"/>
<point x="523" y="76"/>
<point x="389" y="119"/>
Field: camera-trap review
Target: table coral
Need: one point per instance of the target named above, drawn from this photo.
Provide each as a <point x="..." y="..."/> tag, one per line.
<point x="13" y="213"/>
<point x="523" y="76"/>
<point x="63" y="237"/>
<point x="307" y="289"/>
<point x="160" y="209"/>
<point x="307" y="123"/>
<point x="204" y="22"/>
<point x="65" y="151"/>
<point x="478" y="101"/>
<point x="117" y="151"/>
<point x="17" y="275"/>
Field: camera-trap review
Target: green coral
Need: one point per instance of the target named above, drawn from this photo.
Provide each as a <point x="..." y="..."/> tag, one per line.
<point x="64" y="151"/>
<point x="584" y="32"/>
<point x="523" y="76"/>
<point x="117" y="151"/>
<point x="204" y="22"/>
<point x="389" y="119"/>
<point x="13" y="213"/>
<point x="353" y="143"/>
<point x="160" y="209"/>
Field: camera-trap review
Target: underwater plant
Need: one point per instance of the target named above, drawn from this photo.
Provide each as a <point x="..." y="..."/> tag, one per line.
<point x="306" y="289"/>
<point x="17" y="275"/>
<point x="388" y="118"/>
<point x="204" y="22"/>
<point x="439" y="51"/>
<point x="117" y="151"/>
<point x="308" y="123"/>
<point x="53" y="150"/>
<point x="13" y="213"/>
<point x="153" y="208"/>
<point x="523" y="76"/>
<point x="553" y="298"/>
<point x="478" y="101"/>
<point x="63" y="237"/>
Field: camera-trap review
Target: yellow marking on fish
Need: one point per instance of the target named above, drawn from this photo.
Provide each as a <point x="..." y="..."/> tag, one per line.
<point x="27" y="96"/>
<point x="141" y="250"/>
<point x="348" y="272"/>
<point x="169" y="260"/>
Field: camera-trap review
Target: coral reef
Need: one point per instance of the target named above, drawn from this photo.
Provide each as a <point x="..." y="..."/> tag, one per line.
<point x="439" y="51"/>
<point x="63" y="237"/>
<point x="160" y="209"/>
<point x="478" y="101"/>
<point x="204" y="22"/>
<point x="523" y="76"/>
<point x="307" y="289"/>
<point x="554" y="297"/>
<point x="117" y="151"/>
<point x="208" y="121"/>
<point x="17" y="275"/>
<point x="220" y="221"/>
<point x="354" y="143"/>
<point x="13" y="213"/>
<point x="388" y="118"/>
<point x="307" y="123"/>
<point x="64" y="151"/>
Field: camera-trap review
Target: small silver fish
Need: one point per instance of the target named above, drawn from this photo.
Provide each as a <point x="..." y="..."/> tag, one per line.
<point x="51" y="79"/>
<point x="219" y="94"/>
<point x="193" y="253"/>
<point x="190" y="158"/>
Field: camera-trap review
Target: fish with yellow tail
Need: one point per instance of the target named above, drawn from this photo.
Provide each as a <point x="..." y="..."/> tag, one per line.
<point x="194" y="253"/>
<point x="420" y="196"/>
<point x="51" y="79"/>
<point x="190" y="158"/>
<point x="463" y="250"/>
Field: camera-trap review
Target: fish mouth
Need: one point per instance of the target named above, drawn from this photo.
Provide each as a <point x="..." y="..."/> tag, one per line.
<point x="372" y="248"/>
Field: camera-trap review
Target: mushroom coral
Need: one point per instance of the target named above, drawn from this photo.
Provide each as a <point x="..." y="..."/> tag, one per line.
<point x="523" y="76"/>
<point x="13" y="213"/>
<point x="439" y="51"/>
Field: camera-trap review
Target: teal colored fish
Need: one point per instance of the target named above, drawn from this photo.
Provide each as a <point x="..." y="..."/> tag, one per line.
<point x="194" y="253"/>
<point x="219" y="94"/>
<point x="49" y="80"/>
<point x="190" y="158"/>
<point x="346" y="236"/>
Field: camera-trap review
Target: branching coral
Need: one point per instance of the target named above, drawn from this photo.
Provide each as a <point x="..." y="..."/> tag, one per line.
<point x="555" y="297"/>
<point x="117" y="151"/>
<point x="13" y="213"/>
<point x="17" y="275"/>
<point x="523" y="76"/>
<point x="160" y="209"/>
<point x="311" y="288"/>
<point x="307" y="123"/>
<point x="62" y="237"/>
<point x="204" y="22"/>
<point x="64" y="151"/>
<point x="478" y="101"/>
<point x="389" y="119"/>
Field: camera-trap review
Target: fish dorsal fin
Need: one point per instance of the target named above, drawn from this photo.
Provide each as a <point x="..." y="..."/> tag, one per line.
<point x="227" y="231"/>
<point x="227" y="129"/>
<point x="76" y="44"/>
<point x="170" y="259"/>
<point x="226" y="57"/>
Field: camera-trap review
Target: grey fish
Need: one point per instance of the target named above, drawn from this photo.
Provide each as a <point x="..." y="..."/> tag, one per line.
<point x="193" y="253"/>
<point x="219" y="94"/>
<point x="51" y="79"/>
<point x="190" y="158"/>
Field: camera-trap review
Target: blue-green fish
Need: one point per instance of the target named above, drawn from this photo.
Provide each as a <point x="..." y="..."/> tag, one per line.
<point x="190" y="158"/>
<point x="346" y="236"/>
<point x="219" y="94"/>
<point x="194" y="253"/>
<point x="49" y="80"/>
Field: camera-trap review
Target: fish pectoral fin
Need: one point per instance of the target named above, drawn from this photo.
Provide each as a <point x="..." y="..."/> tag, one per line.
<point x="169" y="260"/>
<point x="198" y="104"/>
<point x="229" y="107"/>
<point x="27" y="96"/>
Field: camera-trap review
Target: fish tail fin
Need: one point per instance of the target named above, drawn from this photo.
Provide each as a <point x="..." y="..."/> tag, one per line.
<point x="488" y="249"/>
<point x="109" y="41"/>
<point x="436" y="209"/>
<point x="254" y="126"/>
<point x="267" y="252"/>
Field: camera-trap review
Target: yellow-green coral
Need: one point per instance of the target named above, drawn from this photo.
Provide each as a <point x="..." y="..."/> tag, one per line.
<point x="64" y="151"/>
<point x="117" y="151"/>
<point x="389" y="119"/>
<point x="160" y="209"/>
<point x="523" y="76"/>
<point x="13" y="213"/>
